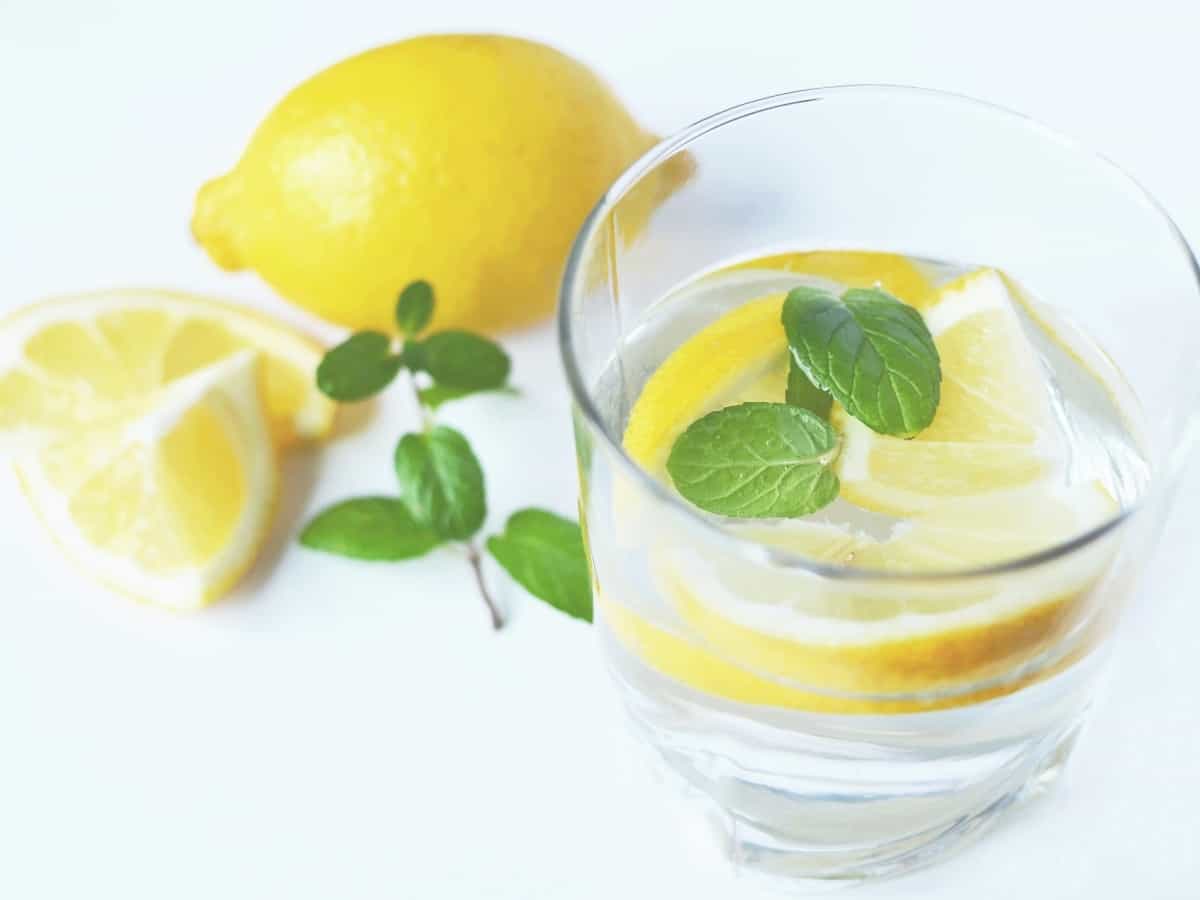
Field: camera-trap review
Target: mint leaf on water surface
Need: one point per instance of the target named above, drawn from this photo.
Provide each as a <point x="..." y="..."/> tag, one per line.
<point x="544" y="553"/>
<point x="756" y="460"/>
<point x="802" y="392"/>
<point x="872" y="352"/>
<point x="370" y="528"/>
<point x="357" y="368"/>
<point x="442" y="482"/>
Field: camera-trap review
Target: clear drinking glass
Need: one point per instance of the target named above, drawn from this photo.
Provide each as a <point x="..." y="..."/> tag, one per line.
<point x="810" y="769"/>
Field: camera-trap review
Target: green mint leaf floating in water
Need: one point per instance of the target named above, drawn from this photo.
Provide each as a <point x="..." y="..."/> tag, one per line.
<point x="442" y="482"/>
<point x="414" y="309"/>
<point x="802" y="392"/>
<point x="357" y="368"/>
<point x="544" y="554"/>
<point x="873" y="353"/>
<point x="459" y="359"/>
<point x="437" y="395"/>
<point x="371" y="528"/>
<point x="756" y="460"/>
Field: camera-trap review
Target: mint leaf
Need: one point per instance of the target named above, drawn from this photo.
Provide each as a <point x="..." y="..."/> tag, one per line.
<point x="438" y="394"/>
<point x="756" y="460"/>
<point x="873" y="353"/>
<point x="414" y="309"/>
<point x="544" y="554"/>
<point x="459" y="359"/>
<point x="358" y="367"/>
<point x="372" y="528"/>
<point x="442" y="482"/>
<point x="802" y="392"/>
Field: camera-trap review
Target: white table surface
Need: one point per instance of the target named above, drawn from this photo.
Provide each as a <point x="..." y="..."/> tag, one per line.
<point x="341" y="730"/>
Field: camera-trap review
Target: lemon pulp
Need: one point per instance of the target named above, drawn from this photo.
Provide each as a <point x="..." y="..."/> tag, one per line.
<point x="145" y="426"/>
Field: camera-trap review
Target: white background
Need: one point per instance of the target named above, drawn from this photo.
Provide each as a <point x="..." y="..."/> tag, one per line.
<point x="341" y="730"/>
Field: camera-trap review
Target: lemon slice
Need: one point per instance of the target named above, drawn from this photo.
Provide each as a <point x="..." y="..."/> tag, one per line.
<point x="167" y="500"/>
<point x="989" y="529"/>
<point x="72" y="362"/>
<point x="853" y="269"/>
<point x="882" y="638"/>
<point x="994" y="428"/>
<point x="973" y="491"/>
<point x="742" y="356"/>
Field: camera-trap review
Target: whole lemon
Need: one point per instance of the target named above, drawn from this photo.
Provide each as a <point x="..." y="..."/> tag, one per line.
<point x="466" y="160"/>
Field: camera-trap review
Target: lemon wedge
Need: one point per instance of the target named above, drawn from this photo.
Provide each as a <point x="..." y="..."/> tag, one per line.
<point x="994" y="428"/>
<point x="169" y="504"/>
<point x="145" y="425"/>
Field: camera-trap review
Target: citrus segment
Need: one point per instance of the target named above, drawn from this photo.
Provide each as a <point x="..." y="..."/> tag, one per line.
<point x="147" y="424"/>
<point x="169" y="506"/>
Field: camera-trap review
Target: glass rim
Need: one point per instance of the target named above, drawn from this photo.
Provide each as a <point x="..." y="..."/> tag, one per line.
<point x="581" y="394"/>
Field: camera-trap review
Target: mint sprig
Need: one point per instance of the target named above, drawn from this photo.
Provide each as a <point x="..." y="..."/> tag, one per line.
<point x="371" y="528"/>
<point x="872" y="352"/>
<point x="756" y="460"/>
<point x="414" y="308"/>
<point x="868" y="351"/>
<point x="442" y="493"/>
<point x="459" y="359"/>
<point x="359" y="367"/>
<point x="545" y="554"/>
<point x="442" y="482"/>
<point x="450" y="364"/>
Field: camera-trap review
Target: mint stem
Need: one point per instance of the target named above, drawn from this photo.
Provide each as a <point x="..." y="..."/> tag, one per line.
<point x="425" y="415"/>
<point x="476" y="563"/>
<point x="473" y="557"/>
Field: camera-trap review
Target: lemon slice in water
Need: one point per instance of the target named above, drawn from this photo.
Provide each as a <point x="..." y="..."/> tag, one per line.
<point x="994" y="428"/>
<point x="971" y="490"/>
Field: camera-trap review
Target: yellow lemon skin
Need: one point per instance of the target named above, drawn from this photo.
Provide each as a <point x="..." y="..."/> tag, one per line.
<point x="468" y="160"/>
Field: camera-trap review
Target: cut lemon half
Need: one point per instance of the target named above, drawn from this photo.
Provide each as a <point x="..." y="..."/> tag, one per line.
<point x="168" y="499"/>
<point x="994" y="428"/>
<point x="71" y="362"/>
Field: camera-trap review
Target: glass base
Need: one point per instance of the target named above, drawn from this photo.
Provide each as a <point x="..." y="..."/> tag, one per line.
<point x="814" y="801"/>
<point x="762" y="853"/>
